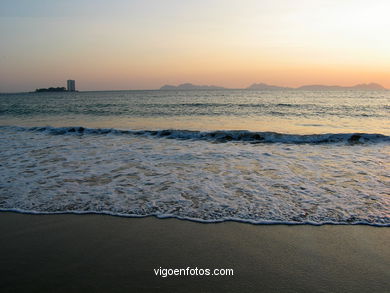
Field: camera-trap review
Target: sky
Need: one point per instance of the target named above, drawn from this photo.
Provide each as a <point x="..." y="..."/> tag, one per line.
<point x="144" y="44"/>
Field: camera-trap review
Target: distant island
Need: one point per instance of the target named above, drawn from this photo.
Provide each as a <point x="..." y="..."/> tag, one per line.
<point x="267" y="87"/>
<point x="71" y="87"/>
<point x="51" y="89"/>
<point x="363" y="86"/>
<point x="318" y="87"/>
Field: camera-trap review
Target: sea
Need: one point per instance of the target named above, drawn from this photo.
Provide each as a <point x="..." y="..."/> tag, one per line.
<point x="261" y="157"/>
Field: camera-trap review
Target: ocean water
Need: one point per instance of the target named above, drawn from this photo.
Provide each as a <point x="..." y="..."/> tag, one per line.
<point x="296" y="157"/>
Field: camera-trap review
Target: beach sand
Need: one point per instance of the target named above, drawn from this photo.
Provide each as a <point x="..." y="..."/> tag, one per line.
<point x="96" y="253"/>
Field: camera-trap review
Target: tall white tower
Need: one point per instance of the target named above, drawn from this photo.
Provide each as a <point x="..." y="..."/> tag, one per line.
<point x="71" y="85"/>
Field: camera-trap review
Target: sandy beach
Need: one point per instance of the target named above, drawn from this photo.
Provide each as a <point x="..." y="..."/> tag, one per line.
<point x="195" y="146"/>
<point x="96" y="253"/>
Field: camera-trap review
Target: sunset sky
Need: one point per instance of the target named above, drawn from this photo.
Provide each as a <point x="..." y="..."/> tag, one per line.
<point x="145" y="44"/>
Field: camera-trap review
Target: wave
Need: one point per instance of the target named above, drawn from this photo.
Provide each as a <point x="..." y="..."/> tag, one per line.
<point x="199" y="220"/>
<point x="218" y="135"/>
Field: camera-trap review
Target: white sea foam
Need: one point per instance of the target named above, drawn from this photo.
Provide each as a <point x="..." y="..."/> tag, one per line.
<point x="60" y="170"/>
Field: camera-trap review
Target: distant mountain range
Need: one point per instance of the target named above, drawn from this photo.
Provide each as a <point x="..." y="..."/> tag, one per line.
<point x="363" y="86"/>
<point x="267" y="87"/>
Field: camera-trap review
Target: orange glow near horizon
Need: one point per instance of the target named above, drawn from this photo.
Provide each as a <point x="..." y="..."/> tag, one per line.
<point x="125" y="45"/>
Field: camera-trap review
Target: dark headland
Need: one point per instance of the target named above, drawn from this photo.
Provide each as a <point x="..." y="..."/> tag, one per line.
<point x="51" y="89"/>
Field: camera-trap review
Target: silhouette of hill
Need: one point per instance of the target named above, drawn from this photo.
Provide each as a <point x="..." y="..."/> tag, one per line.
<point x="318" y="87"/>
<point x="369" y="86"/>
<point x="264" y="86"/>
<point x="364" y="86"/>
<point x="51" y="89"/>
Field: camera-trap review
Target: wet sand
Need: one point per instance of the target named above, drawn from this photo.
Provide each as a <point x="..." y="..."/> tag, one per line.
<point x="95" y="253"/>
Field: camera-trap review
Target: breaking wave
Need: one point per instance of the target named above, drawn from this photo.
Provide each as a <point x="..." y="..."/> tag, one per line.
<point x="192" y="176"/>
<point x="219" y="135"/>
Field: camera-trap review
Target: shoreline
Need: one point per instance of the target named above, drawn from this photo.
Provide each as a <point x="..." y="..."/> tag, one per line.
<point x="102" y="253"/>
<point x="193" y="220"/>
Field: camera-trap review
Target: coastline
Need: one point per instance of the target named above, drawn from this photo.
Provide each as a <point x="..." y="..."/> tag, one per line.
<point x="99" y="253"/>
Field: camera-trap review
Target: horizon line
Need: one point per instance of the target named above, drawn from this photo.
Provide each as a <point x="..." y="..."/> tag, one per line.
<point x="218" y="87"/>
